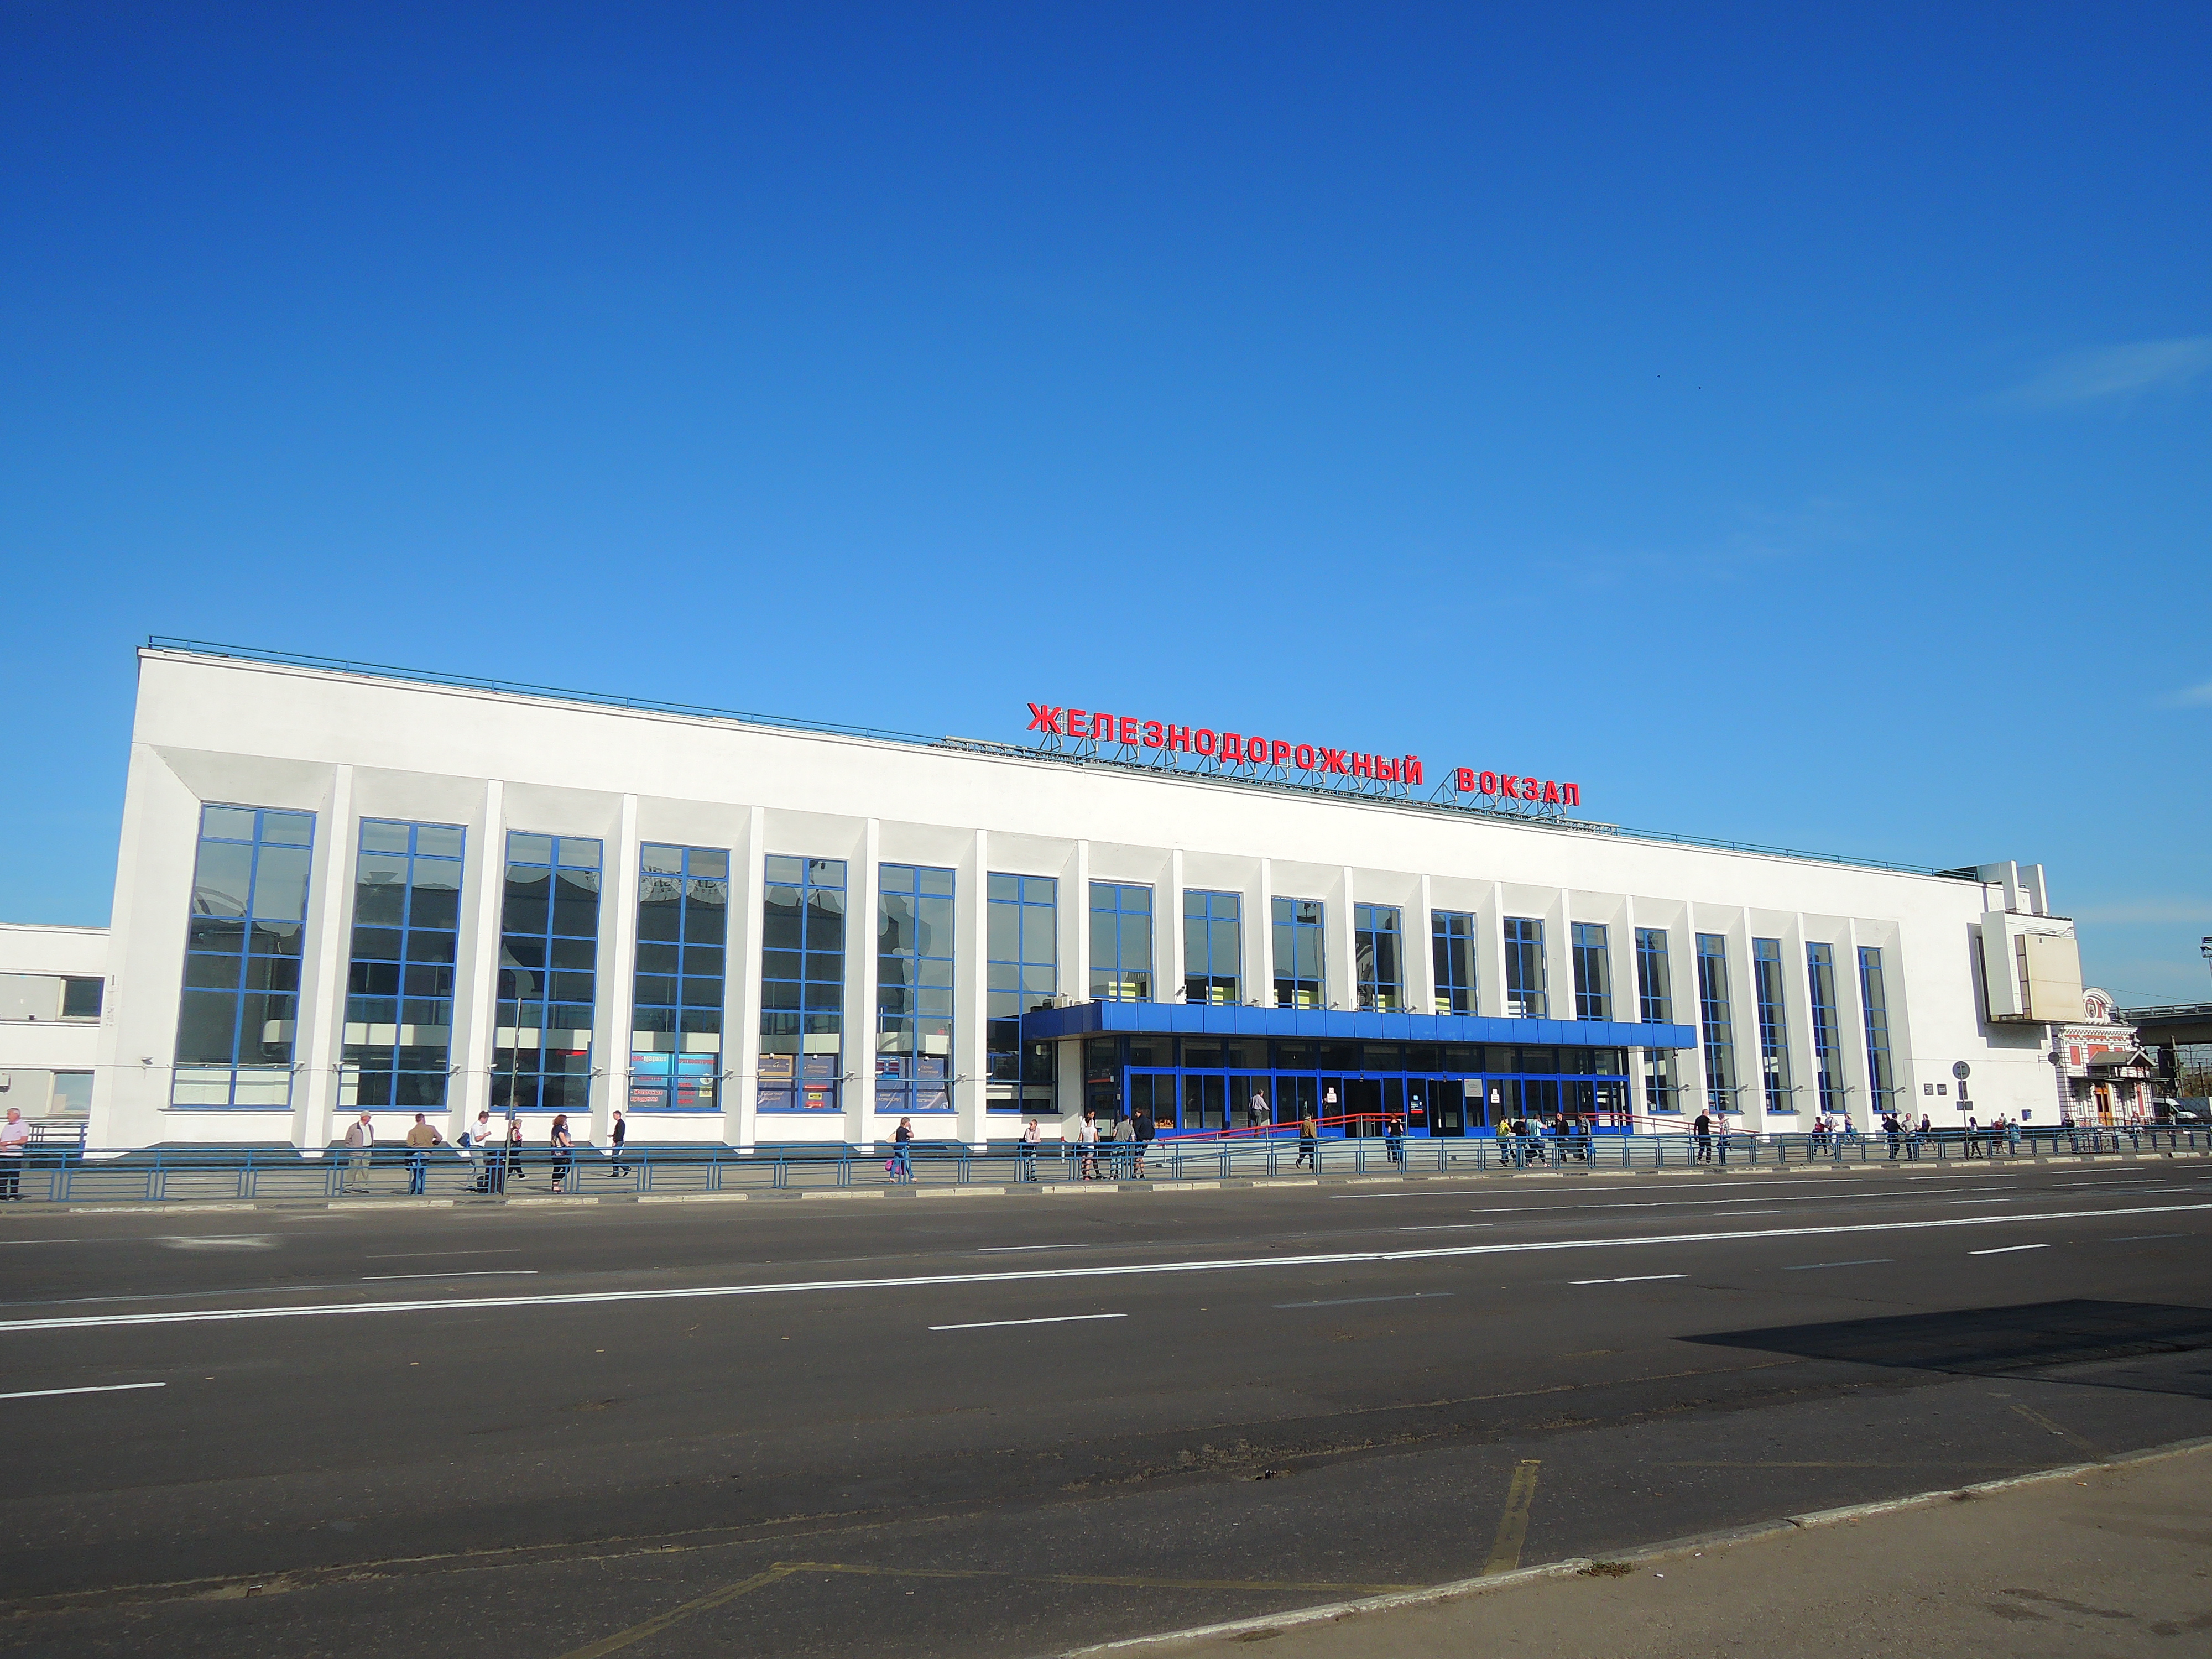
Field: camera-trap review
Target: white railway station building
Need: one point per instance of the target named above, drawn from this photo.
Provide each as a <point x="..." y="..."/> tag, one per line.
<point x="343" y="888"/>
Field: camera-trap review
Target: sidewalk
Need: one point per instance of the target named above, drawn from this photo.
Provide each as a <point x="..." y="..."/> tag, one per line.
<point x="2110" y="1560"/>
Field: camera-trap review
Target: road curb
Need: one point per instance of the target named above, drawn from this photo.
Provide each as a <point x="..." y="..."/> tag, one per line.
<point x="1668" y="1549"/>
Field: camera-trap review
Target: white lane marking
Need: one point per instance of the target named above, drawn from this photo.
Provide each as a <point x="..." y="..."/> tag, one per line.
<point x="1429" y="1192"/>
<point x="1863" y="1262"/>
<point x="41" y="1241"/>
<point x="1437" y="1253"/>
<point x="1451" y="1227"/>
<point x="1007" y="1249"/>
<point x="2139" y="1239"/>
<point x="2007" y="1249"/>
<point x="1694" y="1203"/>
<point x="1057" y="1319"/>
<point x="416" y="1256"/>
<point x="460" y="1272"/>
<point x="1350" y="1301"/>
<point x="218" y="1241"/>
<point x="104" y="1387"/>
<point x="1634" y="1278"/>
<point x="1737" y="1212"/>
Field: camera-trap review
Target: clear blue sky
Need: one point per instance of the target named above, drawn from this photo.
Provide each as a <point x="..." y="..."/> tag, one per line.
<point x="1794" y="423"/>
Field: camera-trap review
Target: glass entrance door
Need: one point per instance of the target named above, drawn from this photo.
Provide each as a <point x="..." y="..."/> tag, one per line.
<point x="1205" y="1101"/>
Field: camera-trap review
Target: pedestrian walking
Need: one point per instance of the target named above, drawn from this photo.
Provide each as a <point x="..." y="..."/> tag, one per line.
<point x="1503" y="1132"/>
<point x="1393" y="1137"/>
<point x="513" y="1167"/>
<point x="420" y="1140"/>
<point x="15" y="1137"/>
<point x="475" y="1145"/>
<point x="1028" y="1148"/>
<point x="902" y="1151"/>
<point x="1703" y="1130"/>
<point x="1124" y="1145"/>
<point x="360" y="1148"/>
<point x="1257" y="1112"/>
<point x="563" y="1159"/>
<point x="1973" y="1136"/>
<point x="1309" y="1143"/>
<point x="1144" y="1129"/>
<point x="2012" y="1136"/>
<point x="616" y="1135"/>
<point x="1087" y="1142"/>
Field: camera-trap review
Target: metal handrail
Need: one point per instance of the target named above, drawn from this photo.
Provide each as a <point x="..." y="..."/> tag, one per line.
<point x="220" y="1173"/>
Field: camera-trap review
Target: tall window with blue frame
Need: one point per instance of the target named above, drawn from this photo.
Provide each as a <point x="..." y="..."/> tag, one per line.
<point x="1213" y="947"/>
<point x="1593" y="971"/>
<point x="1775" y="1073"/>
<point x="1121" y="942"/>
<point x="1654" y="1006"/>
<point x="1451" y="942"/>
<point x="802" y="1020"/>
<point x="1827" y="1045"/>
<point x="915" y="967"/>
<point x="1021" y="958"/>
<point x="239" y="1014"/>
<point x="1873" y="997"/>
<point x="1377" y="956"/>
<point x="1301" y="977"/>
<point x="1525" y="974"/>
<point x="399" y="985"/>
<point x="549" y="958"/>
<point x="676" y="1011"/>
<point x="1714" y="1023"/>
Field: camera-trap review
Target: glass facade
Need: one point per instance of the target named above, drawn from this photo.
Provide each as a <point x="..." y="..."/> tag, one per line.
<point x="676" y="1015"/>
<point x="1873" y="997"/>
<point x="1827" y="1046"/>
<point x="1213" y="947"/>
<point x="1301" y="975"/>
<point x="1451" y="942"/>
<point x="802" y="1020"/>
<point x="1524" y="967"/>
<point x="1775" y="1073"/>
<point x="238" y="1011"/>
<point x="1022" y="956"/>
<point x="1377" y="956"/>
<point x="915" y="963"/>
<point x="400" y="984"/>
<point x="1121" y="942"/>
<point x="548" y="934"/>
<point x="1654" y="1004"/>
<point x="1203" y="1085"/>
<point x="1593" y="972"/>
<point x="1715" y="1026"/>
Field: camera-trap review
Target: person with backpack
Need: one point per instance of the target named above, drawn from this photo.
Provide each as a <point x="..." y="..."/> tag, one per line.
<point x="563" y="1160"/>
<point x="1309" y="1142"/>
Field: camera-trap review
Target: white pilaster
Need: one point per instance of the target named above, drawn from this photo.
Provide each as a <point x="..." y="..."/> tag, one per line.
<point x="1341" y="988"/>
<point x="327" y="956"/>
<point x="1420" y="964"/>
<point x="1260" y="941"/>
<point x="476" y="983"/>
<point x="741" y="990"/>
<point x="861" y="887"/>
<point x="1168" y="934"/>
<point x="618" y="985"/>
<point x="971" y="979"/>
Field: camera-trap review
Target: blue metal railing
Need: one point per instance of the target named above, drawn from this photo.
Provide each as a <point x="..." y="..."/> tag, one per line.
<point x="223" y="1174"/>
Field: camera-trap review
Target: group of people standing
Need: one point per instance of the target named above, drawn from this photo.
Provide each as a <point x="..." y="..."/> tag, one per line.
<point x="494" y="1151"/>
<point x="1521" y="1140"/>
<point x="1125" y="1145"/>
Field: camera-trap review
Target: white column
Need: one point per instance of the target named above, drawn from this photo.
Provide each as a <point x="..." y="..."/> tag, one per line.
<point x="321" y="1029"/>
<point x="1074" y="955"/>
<point x="1340" y="987"/>
<point x="1420" y="964"/>
<point x="1167" y="934"/>
<point x="861" y="890"/>
<point x="1490" y="954"/>
<point x="1559" y="958"/>
<point x="1682" y="967"/>
<point x="476" y="980"/>
<point x="1864" y="1106"/>
<point x="1259" y="942"/>
<point x="617" y="979"/>
<point x="971" y="979"/>
<point x="740" y="1063"/>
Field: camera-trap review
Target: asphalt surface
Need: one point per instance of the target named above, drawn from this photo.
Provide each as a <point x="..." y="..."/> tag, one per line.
<point x="825" y="1428"/>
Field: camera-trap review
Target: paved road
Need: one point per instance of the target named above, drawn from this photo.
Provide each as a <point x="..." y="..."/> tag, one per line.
<point x="986" y="1426"/>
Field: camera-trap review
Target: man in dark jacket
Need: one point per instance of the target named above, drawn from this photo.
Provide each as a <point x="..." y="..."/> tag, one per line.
<point x="1146" y="1132"/>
